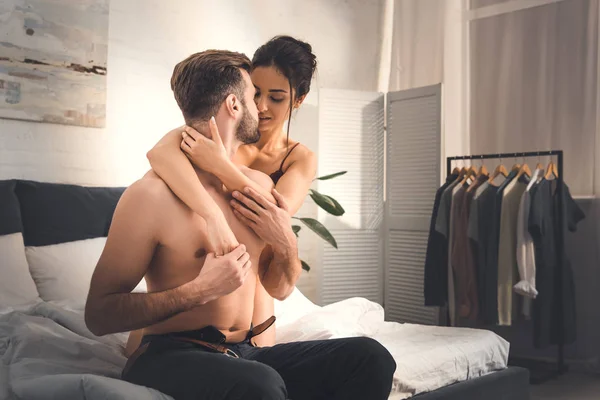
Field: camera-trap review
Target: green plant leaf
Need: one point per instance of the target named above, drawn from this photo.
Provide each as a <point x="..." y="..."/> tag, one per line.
<point x="296" y="229"/>
<point x="319" y="229"/>
<point x="326" y="177"/>
<point x="305" y="266"/>
<point x="327" y="203"/>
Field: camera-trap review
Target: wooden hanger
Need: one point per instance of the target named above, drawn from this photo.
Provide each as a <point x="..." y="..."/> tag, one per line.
<point x="456" y="170"/>
<point x="461" y="173"/>
<point x="464" y="168"/>
<point x="551" y="170"/>
<point x="472" y="171"/>
<point x="516" y="166"/>
<point x="469" y="173"/>
<point x="500" y="169"/>
<point x="524" y="170"/>
<point x="482" y="170"/>
<point x="539" y="164"/>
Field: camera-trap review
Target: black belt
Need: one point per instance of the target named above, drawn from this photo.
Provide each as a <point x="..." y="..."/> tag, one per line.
<point x="214" y="340"/>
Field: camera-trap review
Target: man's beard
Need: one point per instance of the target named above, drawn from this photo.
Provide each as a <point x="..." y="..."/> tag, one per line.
<point x="247" y="131"/>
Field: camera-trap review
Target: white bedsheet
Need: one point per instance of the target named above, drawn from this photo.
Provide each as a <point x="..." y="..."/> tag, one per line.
<point x="427" y="357"/>
<point x="48" y="353"/>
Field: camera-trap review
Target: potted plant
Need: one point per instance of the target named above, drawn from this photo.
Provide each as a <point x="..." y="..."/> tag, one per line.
<point x="327" y="203"/>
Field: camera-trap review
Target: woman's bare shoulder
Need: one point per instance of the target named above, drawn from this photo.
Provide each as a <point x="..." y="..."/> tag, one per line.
<point x="301" y="153"/>
<point x="245" y="154"/>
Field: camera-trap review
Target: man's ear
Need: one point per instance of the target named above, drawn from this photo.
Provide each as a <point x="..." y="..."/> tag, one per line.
<point x="233" y="105"/>
<point x="298" y="101"/>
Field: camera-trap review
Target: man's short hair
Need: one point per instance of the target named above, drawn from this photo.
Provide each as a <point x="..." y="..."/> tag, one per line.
<point x="203" y="81"/>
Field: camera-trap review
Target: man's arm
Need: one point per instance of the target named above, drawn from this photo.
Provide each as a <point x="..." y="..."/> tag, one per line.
<point x="279" y="265"/>
<point x="132" y="240"/>
<point x="279" y="269"/>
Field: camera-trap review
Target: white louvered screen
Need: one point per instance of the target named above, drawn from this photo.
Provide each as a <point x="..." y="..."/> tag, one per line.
<point x="413" y="176"/>
<point x="351" y="139"/>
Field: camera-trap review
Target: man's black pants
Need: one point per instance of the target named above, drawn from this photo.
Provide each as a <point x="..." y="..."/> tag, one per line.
<point x="354" y="368"/>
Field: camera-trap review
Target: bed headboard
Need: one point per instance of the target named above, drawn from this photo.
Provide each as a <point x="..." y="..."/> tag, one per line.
<point x="54" y="213"/>
<point x="10" y="214"/>
<point x="51" y="237"/>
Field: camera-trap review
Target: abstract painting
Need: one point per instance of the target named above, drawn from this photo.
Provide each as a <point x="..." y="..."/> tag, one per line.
<point x="53" y="61"/>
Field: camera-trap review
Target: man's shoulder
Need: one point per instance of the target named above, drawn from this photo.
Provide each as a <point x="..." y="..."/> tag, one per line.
<point x="259" y="177"/>
<point x="148" y="189"/>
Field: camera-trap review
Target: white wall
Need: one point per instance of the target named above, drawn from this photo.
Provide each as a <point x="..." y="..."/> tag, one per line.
<point x="146" y="39"/>
<point x="427" y="49"/>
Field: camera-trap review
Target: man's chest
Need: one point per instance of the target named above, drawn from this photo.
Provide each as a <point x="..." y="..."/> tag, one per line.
<point x="184" y="236"/>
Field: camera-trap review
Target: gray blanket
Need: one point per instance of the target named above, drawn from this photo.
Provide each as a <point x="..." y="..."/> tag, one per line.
<point x="48" y="353"/>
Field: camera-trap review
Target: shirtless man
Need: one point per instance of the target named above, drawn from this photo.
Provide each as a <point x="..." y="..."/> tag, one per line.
<point x="197" y="313"/>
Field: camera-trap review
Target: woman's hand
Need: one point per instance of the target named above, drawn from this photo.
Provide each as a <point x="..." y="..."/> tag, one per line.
<point x="219" y="236"/>
<point x="272" y="223"/>
<point x="203" y="152"/>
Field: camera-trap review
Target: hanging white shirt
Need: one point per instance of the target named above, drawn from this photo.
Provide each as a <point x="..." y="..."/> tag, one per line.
<point x="525" y="248"/>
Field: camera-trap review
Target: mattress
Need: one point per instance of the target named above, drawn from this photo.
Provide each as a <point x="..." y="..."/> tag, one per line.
<point x="509" y="384"/>
<point x="430" y="357"/>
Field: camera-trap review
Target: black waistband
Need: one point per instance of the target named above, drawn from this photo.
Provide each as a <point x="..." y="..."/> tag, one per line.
<point x="211" y="334"/>
<point x="208" y="334"/>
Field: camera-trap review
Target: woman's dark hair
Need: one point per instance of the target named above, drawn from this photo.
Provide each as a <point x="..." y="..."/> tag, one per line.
<point x="294" y="59"/>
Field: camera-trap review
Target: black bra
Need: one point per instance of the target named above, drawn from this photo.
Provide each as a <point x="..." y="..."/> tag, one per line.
<point x="276" y="176"/>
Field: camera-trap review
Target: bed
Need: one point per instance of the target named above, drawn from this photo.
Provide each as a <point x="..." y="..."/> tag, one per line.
<point x="50" y="241"/>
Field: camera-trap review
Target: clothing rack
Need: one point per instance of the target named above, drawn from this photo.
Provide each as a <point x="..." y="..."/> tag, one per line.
<point x="561" y="367"/>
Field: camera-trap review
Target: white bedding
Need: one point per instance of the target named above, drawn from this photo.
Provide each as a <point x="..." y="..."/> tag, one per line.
<point x="48" y="353"/>
<point x="427" y="357"/>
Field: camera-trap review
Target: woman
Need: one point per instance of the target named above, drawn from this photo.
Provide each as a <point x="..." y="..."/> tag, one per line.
<point x="282" y="72"/>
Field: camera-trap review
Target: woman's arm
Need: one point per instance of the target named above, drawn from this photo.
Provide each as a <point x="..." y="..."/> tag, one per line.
<point x="172" y="165"/>
<point x="174" y="168"/>
<point x="210" y="155"/>
<point x="296" y="180"/>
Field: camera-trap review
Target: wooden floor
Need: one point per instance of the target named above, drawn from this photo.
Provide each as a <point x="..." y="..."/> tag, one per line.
<point x="572" y="386"/>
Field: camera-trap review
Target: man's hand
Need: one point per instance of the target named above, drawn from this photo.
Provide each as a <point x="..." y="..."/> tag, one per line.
<point x="221" y="276"/>
<point x="280" y="266"/>
<point x="219" y="235"/>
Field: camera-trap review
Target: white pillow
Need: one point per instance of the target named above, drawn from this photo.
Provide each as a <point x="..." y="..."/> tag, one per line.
<point x="64" y="271"/>
<point x="16" y="286"/>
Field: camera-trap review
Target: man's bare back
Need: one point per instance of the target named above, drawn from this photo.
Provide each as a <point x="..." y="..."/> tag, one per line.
<point x="181" y="253"/>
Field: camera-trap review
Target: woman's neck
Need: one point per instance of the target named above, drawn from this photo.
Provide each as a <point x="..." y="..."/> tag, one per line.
<point x="271" y="140"/>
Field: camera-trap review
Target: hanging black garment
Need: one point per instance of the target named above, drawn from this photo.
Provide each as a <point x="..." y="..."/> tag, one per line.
<point x="436" y="260"/>
<point x="544" y="225"/>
